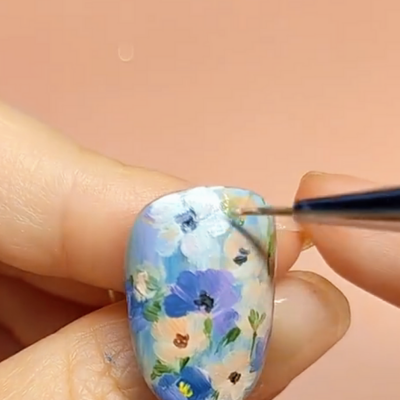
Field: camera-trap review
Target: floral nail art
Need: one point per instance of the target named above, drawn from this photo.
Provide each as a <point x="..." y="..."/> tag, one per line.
<point x="200" y="293"/>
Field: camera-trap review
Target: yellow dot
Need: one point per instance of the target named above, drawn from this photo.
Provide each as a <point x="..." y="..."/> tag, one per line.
<point x="185" y="389"/>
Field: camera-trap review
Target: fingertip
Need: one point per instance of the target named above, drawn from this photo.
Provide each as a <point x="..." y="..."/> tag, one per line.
<point x="316" y="184"/>
<point x="311" y="316"/>
<point x="290" y="244"/>
<point x="368" y="259"/>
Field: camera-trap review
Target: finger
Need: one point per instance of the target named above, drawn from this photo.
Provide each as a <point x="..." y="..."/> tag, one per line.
<point x="30" y="314"/>
<point x="62" y="287"/>
<point x="369" y="259"/>
<point x="311" y="316"/>
<point x="289" y="247"/>
<point x="290" y="244"/>
<point x="65" y="211"/>
<point x="92" y="358"/>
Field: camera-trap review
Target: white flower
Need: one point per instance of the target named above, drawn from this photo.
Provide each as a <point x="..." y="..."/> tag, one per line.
<point x="255" y="308"/>
<point x="232" y="377"/>
<point x="191" y="221"/>
<point x="147" y="280"/>
<point x="179" y="338"/>
<point x="242" y="258"/>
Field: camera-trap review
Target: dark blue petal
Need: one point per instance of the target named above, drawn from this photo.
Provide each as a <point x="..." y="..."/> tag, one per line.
<point x="135" y="312"/>
<point x="167" y="380"/>
<point x="198" y="381"/>
<point x="166" y="389"/>
<point x="188" y="286"/>
<point x="176" y="307"/>
<point x="128" y="286"/>
<point x="183" y="295"/>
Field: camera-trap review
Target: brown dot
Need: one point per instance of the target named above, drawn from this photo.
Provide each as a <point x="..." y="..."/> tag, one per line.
<point x="181" y="341"/>
<point x="234" y="377"/>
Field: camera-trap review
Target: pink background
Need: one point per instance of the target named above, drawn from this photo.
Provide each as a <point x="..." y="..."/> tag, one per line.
<point x="248" y="93"/>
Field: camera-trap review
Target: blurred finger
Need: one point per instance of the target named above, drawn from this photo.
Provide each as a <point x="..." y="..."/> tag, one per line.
<point x="30" y="314"/>
<point x="369" y="259"/>
<point x="93" y="358"/>
<point x="65" y="211"/>
<point x="62" y="287"/>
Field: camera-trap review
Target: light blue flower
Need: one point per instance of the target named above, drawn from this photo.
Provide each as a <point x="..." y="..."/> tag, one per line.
<point x="189" y="221"/>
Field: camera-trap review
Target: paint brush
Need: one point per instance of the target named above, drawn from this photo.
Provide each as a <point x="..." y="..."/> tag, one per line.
<point x="377" y="209"/>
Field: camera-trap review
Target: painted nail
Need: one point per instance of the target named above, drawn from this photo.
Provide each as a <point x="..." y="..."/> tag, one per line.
<point x="200" y="293"/>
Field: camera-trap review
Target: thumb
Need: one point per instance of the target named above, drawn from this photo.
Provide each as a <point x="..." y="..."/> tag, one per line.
<point x="369" y="259"/>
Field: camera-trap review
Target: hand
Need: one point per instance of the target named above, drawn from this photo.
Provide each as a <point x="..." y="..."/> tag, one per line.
<point x="65" y="214"/>
<point x="368" y="259"/>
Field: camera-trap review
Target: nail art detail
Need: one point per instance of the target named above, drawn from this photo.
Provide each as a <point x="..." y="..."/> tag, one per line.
<point x="200" y="293"/>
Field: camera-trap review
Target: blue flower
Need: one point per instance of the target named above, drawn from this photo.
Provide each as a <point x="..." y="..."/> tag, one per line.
<point x="210" y="292"/>
<point x="191" y="384"/>
<point x="258" y="358"/>
<point x="135" y="309"/>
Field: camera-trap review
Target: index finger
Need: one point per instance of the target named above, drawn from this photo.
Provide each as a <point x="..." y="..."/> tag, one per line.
<point x="67" y="212"/>
<point x="369" y="259"/>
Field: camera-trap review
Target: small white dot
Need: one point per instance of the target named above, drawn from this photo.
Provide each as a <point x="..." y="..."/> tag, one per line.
<point x="125" y="52"/>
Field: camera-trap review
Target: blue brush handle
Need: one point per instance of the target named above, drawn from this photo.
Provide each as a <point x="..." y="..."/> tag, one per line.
<point x="385" y="202"/>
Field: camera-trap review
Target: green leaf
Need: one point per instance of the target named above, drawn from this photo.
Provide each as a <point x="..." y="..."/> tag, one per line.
<point x="232" y="335"/>
<point x="262" y="319"/>
<point x="252" y="319"/>
<point x="152" y="284"/>
<point x="151" y="311"/>
<point x="160" y="369"/>
<point x="215" y="395"/>
<point x="208" y="326"/>
<point x="183" y="362"/>
<point x="253" y="344"/>
<point x="158" y="296"/>
<point x="153" y="376"/>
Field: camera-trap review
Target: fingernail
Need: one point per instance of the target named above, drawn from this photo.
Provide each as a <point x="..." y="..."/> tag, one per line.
<point x="310" y="314"/>
<point x="307" y="241"/>
<point x="290" y="225"/>
<point x="311" y="174"/>
<point x="200" y="293"/>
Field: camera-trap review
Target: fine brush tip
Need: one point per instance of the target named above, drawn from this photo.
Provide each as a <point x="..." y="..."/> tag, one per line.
<point x="268" y="211"/>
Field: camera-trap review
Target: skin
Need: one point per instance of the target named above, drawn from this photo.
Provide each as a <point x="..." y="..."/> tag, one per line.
<point x="65" y="214"/>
